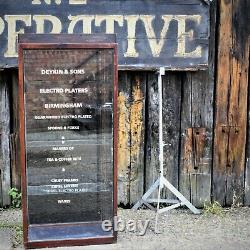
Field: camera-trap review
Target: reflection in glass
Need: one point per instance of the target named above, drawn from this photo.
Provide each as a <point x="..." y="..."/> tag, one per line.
<point x="69" y="135"/>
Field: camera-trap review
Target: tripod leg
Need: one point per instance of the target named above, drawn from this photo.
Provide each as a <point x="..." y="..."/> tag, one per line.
<point x="180" y="196"/>
<point x="146" y="195"/>
<point x="158" y="208"/>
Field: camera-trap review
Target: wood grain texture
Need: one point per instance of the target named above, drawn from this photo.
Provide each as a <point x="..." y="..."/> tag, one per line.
<point x="172" y="87"/>
<point x="196" y="144"/>
<point x="124" y="94"/>
<point x="152" y="133"/>
<point x="14" y="137"/>
<point x="231" y="103"/>
<point x="5" y="171"/>
<point x="137" y="126"/>
<point x="172" y="94"/>
<point x="197" y="127"/>
<point x="131" y="115"/>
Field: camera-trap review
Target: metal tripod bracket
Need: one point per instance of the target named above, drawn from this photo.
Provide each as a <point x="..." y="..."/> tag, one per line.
<point x="162" y="182"/>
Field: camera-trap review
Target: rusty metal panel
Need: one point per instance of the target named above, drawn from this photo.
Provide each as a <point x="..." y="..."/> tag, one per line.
<point x="150" y="33"/>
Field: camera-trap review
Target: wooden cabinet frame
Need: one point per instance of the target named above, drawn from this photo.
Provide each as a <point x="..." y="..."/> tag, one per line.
<point x="34" y="42"/>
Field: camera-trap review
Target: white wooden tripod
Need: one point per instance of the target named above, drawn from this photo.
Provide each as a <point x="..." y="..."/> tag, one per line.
<point x="162" y="182"/>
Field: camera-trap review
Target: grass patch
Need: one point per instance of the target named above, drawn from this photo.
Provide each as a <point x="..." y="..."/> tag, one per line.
<point x="213" y="208"/>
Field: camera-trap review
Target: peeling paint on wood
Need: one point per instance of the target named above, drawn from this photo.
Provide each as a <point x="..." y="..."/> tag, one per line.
<point x="123" y="131"/>
<point x="131" y="106"/>
<point x="136" y="119"/>
<point x="137" y="125"/>
<point x="123" y="139"/>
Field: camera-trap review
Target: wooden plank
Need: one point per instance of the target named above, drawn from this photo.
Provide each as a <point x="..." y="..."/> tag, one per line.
<point x="131" y="108"/>
<point x="152" y="134"/>
<point x="171" y="129"/>
<point x="220" y="160"/>
<point x="172" y="89"/>
<point x="4" y="140"/>
<point x="231" y="109"/>
<point x="137" y="127"/>
<point x="14" y="137"/>
<point x="124" y="137"/>
<point x="197" y="126"/>
<point x="222" y="92"/>
<point x="202" y="122"/>
<point x="239" y="100"/>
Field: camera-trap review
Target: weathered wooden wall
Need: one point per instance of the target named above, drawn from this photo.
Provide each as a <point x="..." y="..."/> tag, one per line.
<point x="231" y="103"/>
<point x="206" y="122"/>
<point x="188" y="130"/>
<point x="188" y="123"/>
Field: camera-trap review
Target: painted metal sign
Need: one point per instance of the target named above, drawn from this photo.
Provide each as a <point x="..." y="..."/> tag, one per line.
<point x="150" y="33"/>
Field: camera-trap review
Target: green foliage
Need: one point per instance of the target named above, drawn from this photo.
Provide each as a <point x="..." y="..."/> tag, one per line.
<point x="16" y="197"/>
<point x="213" y="208"/>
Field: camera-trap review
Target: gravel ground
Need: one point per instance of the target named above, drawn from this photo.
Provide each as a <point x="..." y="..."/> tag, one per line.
<point x="10" y="216"/>
<point x="178" y="229"/>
